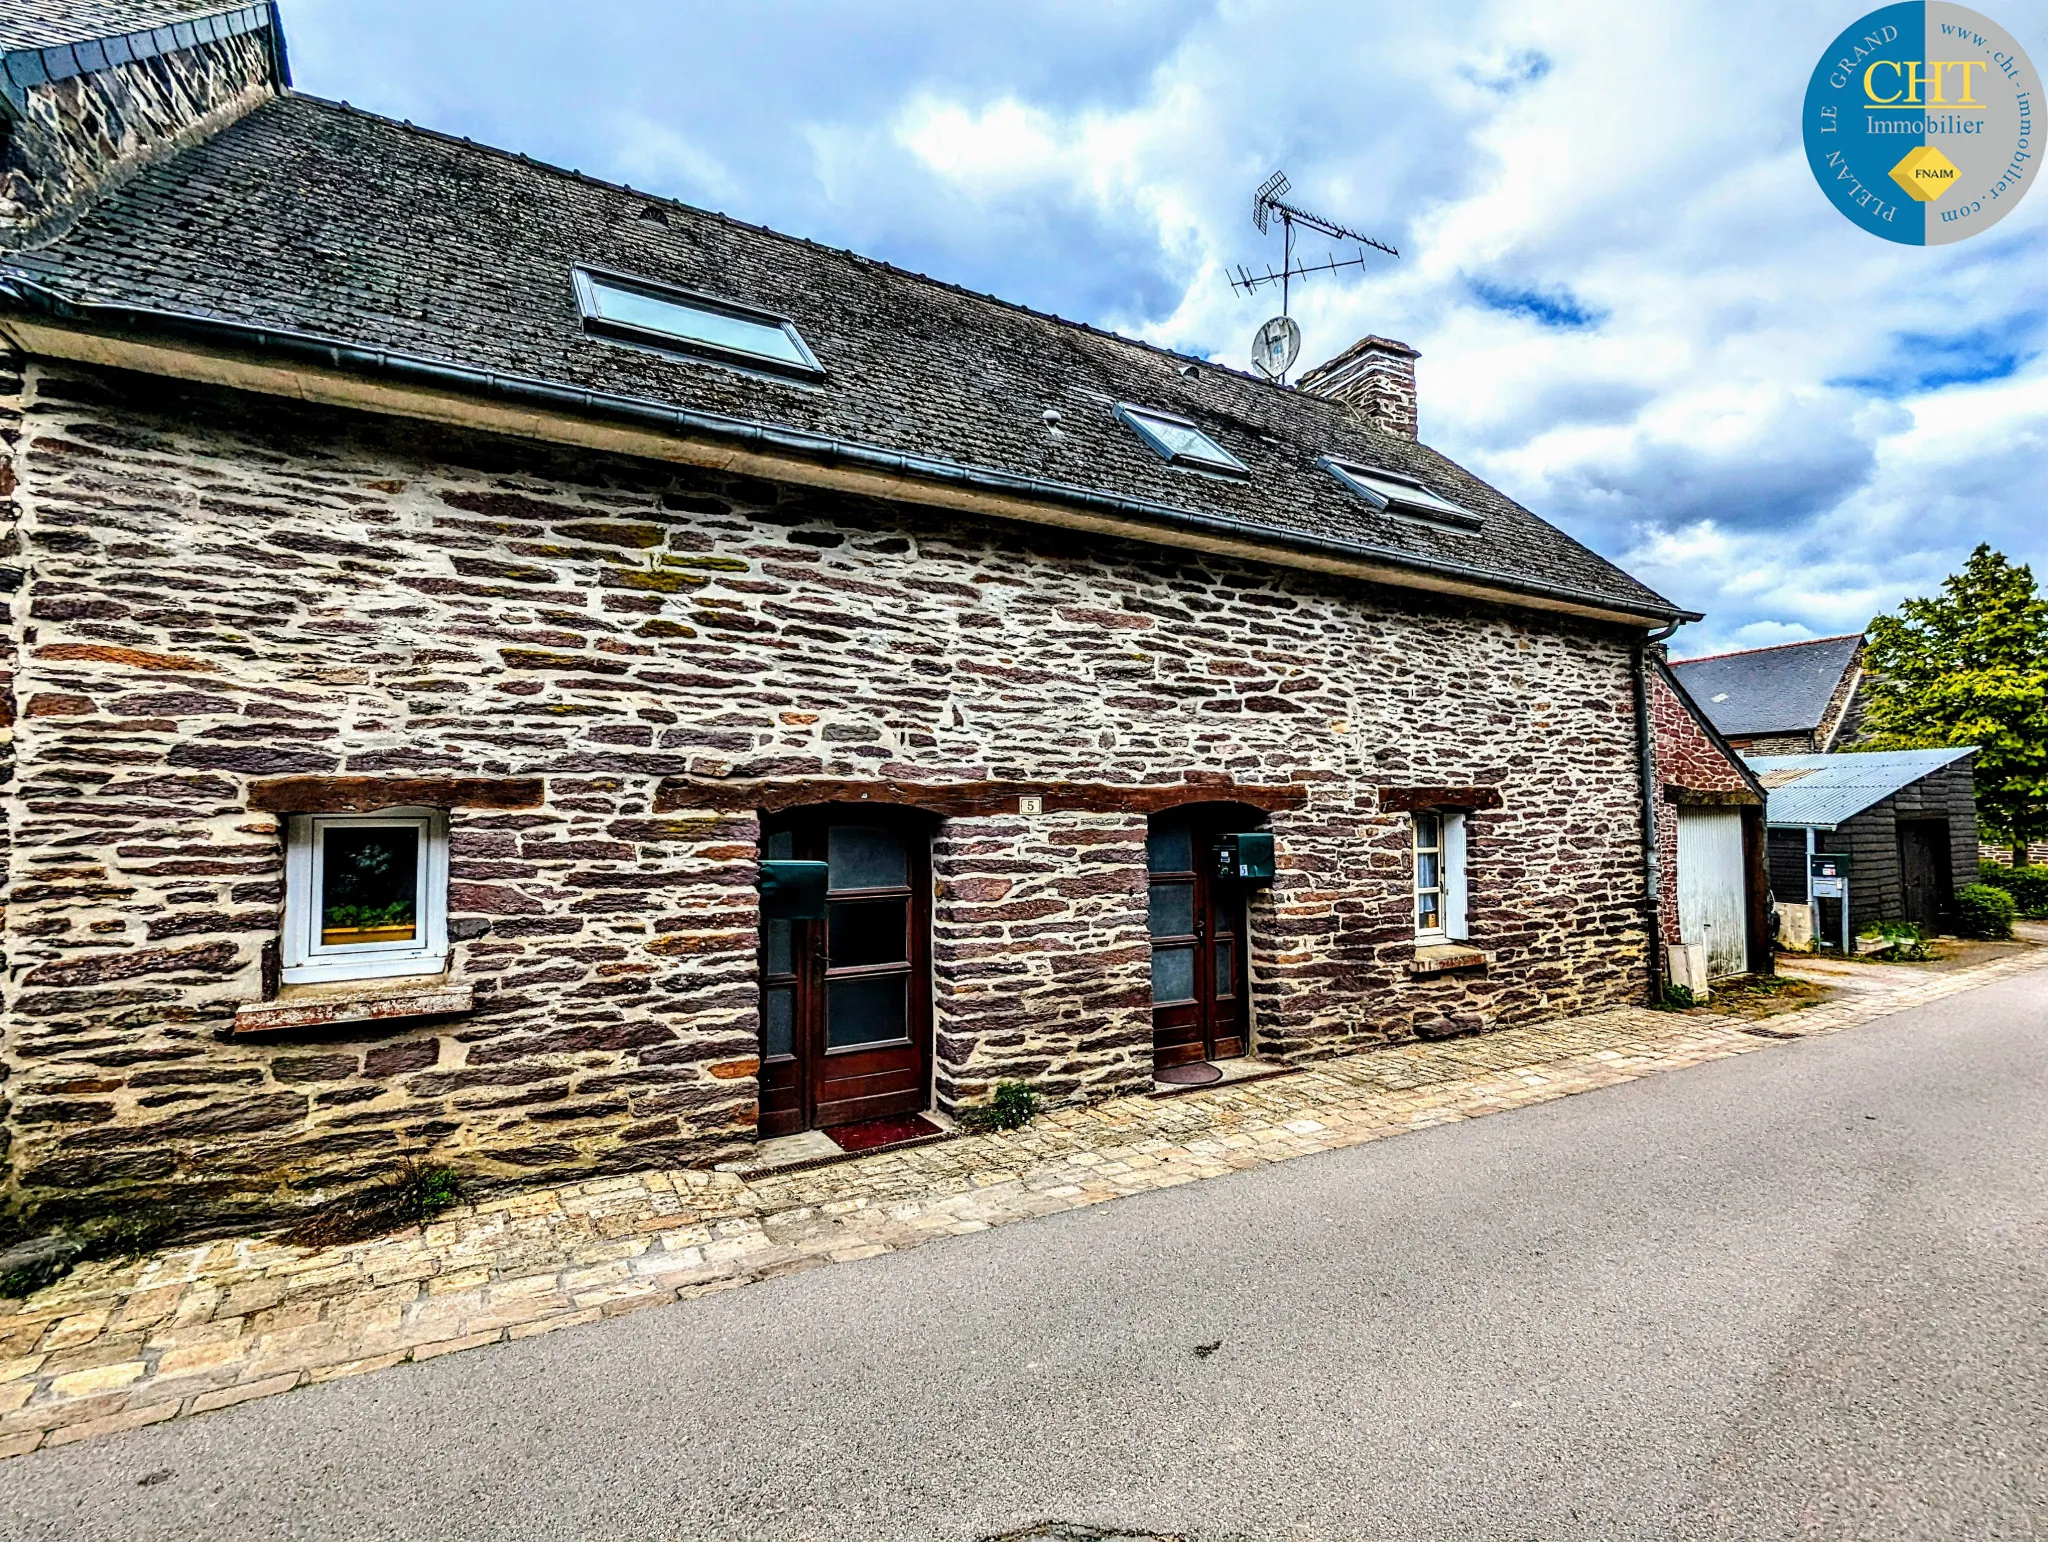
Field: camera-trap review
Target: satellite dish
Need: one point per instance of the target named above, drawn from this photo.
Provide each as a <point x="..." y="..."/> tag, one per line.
<point x="1276" y="347"/>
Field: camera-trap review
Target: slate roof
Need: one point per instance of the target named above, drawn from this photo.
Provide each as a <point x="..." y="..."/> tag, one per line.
<point x="53" y="23"/>
<point x="311" y="216"/>
<point x="1783" y="690"/>
<point x="1824" y="790"/>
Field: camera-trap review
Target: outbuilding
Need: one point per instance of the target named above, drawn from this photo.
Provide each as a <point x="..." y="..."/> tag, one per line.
<point x="1713" y="895"/>
<point x="1904" y="822"/>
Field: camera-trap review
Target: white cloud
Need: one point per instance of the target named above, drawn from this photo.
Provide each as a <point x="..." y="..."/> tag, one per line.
<point x="654" y="155"/>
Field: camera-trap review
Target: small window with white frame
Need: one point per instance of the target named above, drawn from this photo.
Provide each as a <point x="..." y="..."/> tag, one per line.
<point x="1179" y="442"/>
<point x="1439" y="868"/>
<point x="366" y="895"/>
<point x="638" y="310"/>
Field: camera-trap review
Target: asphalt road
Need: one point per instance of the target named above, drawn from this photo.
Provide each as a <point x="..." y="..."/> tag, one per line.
<point x="1800" y="1294"/>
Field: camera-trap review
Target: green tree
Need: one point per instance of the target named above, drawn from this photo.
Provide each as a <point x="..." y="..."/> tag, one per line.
<point x="1970" y="666"/>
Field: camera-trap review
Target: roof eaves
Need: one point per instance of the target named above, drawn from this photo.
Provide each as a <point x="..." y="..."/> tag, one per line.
<point x="23" y="294"/>
<point x="1736" y="653"/>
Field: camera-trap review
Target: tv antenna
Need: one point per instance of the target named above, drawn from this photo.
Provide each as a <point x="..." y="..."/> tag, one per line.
<point x="1279" y="340"/>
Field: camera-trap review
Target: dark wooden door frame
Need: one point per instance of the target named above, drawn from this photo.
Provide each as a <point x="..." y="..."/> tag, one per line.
<point x="815" y="1079"/>
<point x="1221" y="1023"/>
<point x="1931" y="838"/>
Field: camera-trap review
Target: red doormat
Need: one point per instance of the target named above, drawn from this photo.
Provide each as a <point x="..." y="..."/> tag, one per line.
<point x="1197" y="1073"/>
<point x="874" y="1134"/>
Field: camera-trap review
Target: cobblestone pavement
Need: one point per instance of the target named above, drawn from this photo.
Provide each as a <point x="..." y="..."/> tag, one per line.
<point x="117" y="1346"/>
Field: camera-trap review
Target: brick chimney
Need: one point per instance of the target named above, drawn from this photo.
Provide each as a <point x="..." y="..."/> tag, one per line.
<point x="1376" y="375"/>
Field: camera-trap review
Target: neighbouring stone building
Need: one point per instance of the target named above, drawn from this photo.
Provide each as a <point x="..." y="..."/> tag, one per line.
<point x="450" y="588"/>
<point x="1713" y="882"/>
<point x="1803" y="698"/>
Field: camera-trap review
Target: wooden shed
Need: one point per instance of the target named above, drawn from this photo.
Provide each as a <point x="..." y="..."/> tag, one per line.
<point x="1905" y="819"/>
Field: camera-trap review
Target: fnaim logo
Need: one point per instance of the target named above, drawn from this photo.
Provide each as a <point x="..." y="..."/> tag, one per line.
<point x="1920" y="122"/>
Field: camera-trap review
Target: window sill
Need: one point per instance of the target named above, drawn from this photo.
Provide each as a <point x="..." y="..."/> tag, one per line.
<point x="1432" y="958"/>
<point x="355" y="1001"/>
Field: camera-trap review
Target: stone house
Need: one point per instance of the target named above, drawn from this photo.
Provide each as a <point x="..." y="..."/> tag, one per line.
<point x="1801" y="698"/>
<point x="448" y="588"/>
<point x="1713" y="885"/>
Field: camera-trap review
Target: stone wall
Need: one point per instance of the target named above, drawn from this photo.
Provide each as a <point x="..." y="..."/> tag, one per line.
<point x="1041" y="964"/>
<point x="222" y="589"/>
<point x="1687" y="760"/>
<point x="85" y="133"/>
<point x="12" y="384"/>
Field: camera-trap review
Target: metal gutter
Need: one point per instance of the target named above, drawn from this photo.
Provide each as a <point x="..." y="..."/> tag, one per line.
<point x="23" y="293"/>
<point x="1646" y="762"/>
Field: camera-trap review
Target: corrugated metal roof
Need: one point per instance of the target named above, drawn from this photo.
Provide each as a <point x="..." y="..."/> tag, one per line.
<point x="1823" y="790"/>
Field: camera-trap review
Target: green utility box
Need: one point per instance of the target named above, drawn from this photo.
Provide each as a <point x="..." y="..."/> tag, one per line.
<point x="1246" y="858"/>
<point x="794" y="891"/>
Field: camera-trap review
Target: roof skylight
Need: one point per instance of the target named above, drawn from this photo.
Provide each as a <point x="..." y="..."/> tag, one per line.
<point x="1179" y="442"/>
<point x="1402" y="496"/>
<point x="637" y="310"/>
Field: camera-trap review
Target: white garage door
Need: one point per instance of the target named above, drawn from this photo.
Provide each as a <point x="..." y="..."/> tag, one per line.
<point x="1710" y="887"/>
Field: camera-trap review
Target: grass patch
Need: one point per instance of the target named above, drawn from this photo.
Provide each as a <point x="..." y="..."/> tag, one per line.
<point x="1012" y="1106"/>
<point x="416" y="1192"/>
<point x="1764" y="995"/>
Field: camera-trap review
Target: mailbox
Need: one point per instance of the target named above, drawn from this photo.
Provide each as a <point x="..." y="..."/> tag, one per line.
<point x="1246" y="858"/>
<point x="793" y="891"/>
<point x="1828" y="875"/>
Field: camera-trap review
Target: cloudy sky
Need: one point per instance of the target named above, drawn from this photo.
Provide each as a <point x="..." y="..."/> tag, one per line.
<point x="1637" y="313"/>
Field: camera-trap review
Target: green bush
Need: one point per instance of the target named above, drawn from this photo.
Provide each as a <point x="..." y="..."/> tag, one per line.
<point x="1677" y="998"/>
<point x="2028" y="886"/>
<point x="1903" y="942"/>
<point x="1982" y="911"/>
<point x="411" y="1194"/>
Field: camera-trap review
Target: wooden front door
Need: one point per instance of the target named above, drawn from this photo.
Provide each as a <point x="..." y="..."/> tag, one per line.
<point x="1198" y="945"/>
<point x="1923" y="871"/>
<point x="846" y="1002"/>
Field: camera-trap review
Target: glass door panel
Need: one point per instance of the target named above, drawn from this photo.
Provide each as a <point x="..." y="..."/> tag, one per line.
<point x="845" y="1003"/>
<point x="1196" y="921"/>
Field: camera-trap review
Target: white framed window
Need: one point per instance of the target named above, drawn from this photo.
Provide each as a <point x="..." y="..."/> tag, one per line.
<point x="683" y="320"/>
<point x="365" y="895"/>
<point x="1439" y="868"/>
<point x="1402" y="496"/>
<point x="1179" y="442"/>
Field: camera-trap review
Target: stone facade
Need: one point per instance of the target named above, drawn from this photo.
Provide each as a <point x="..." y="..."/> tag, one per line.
<point x="81" y="135"/>
<point x="1041" y="964"/>
<point x="224" y="590"/>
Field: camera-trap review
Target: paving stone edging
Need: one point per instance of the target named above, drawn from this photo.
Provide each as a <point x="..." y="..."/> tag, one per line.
<point x="192" y="1329"/>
